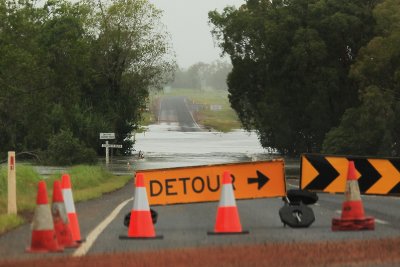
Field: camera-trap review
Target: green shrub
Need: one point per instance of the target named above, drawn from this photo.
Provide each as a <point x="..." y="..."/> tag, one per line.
<point x="65" y="149"/>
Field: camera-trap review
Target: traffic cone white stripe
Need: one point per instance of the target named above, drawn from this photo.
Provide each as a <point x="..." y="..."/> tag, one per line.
<point x="140" y="203"/>
<point x="227" y="196"/>
<point x="59" y="208"/>
<point x="352" y="191"/>
<point x="42" y="219"/>
<point x="68" y="200"/>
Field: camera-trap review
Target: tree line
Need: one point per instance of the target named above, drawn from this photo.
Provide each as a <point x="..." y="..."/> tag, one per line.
<point x="315" y="75"/>
<point x="69" y="71"/>
<point x="203" y="76"/>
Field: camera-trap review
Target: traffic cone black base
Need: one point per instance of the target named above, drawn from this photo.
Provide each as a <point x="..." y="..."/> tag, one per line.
<point x="125" y="237"/>
<point x="367" y="223"/>
<point x="245" y="232"/>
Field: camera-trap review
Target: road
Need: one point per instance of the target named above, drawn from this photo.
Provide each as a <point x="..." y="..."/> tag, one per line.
<point x="186" y="226"/>
<point x="175" y="110"/>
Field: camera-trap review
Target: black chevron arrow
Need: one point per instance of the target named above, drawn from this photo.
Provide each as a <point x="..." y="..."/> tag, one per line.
<point x="261" y="180"/>
<point x="396" y="188"/>
<point x="326" y="173"/>
<point x="369" y="175"/>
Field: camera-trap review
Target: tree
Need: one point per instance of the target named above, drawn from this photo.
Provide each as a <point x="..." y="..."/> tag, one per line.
<point x="291" y="61"/>
<point x="202" y="75"/>
<point x="373" y="127"/>
<point x="21" y="76"/>
<point x="130" y="58"/>
<point x="365" y="130"/>
<point x="71" y="69"/>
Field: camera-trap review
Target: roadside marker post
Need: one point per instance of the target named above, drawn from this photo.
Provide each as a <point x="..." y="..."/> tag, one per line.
<point x="12" y="184"/>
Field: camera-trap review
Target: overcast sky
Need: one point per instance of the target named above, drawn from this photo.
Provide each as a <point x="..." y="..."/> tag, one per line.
<point x="187" y="22"/>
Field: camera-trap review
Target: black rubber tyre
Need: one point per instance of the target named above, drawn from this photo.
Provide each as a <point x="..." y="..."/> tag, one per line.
<point x="305" y="215"/>
<point x="296" y="196"/>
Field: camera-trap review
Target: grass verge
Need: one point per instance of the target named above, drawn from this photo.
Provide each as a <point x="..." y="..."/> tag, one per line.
<point x="88" y="182"/>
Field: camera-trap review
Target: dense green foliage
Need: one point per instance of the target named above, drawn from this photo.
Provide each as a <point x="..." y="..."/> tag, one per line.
<point x="303" y="68"/>
<point x="373" y="127"/>
<point x="77" y="69"/>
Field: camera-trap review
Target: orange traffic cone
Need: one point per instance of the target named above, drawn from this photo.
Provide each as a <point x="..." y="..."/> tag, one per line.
<point x="60" y="218"/>
<point x="43" y="235"/>
<point x="353" y="217"/>
<point x="227" y="221"/>
<point x="70" y="206"/>
<point x="140" y="224"/>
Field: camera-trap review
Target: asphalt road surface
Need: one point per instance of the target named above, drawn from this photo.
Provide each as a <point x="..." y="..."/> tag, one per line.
<point x="175" y="109"/>
<point x="186" y="225"/>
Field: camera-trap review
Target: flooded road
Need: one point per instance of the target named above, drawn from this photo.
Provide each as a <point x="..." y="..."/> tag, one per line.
<point x="178" y="141"/>
<point x="164" y="147"/>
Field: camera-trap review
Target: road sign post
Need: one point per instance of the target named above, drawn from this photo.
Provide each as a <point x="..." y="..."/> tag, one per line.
<point x="107" y="146"/>
<point x="12" y="186"/>
<point x="108" y="136"/>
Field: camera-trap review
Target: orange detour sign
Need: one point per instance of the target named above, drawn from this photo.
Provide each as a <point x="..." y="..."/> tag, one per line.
<point x="259" y="179"/>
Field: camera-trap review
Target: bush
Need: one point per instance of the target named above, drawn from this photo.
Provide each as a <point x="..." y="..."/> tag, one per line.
<point x="65" y="149"/>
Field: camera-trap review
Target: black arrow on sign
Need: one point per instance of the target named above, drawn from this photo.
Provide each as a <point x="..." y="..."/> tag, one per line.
<point x="396" y="188"/>
<point x="326" y="172"/>
<point x="261" y="180"/>
<point x="369" y="175"/>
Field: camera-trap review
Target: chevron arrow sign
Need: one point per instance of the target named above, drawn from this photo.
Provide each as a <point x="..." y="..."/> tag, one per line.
<point x="326" y="173"/>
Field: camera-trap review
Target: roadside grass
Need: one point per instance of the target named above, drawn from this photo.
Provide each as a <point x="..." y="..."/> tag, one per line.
<point x="88" y="182"/>
<point x="8" y="222"/>
<point x="223" y="120"/>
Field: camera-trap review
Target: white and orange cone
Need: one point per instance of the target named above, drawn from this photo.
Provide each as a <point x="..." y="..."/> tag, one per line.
<point x="70" y="207"/>
<point x="43" y="235"/>
<point x="140" y="224"/>
<point x="62" y="225"/>
<point x="353" y="217"/>
<point x="227" y="221"/>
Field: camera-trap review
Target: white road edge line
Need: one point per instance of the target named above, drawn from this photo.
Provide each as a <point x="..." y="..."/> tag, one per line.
<point x="91" y="238"/>
<point x="191" y="115"/>
<point x="376" y="220"/>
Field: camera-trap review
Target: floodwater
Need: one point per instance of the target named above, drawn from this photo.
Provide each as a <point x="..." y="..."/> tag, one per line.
<point x="164" y="146"/>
